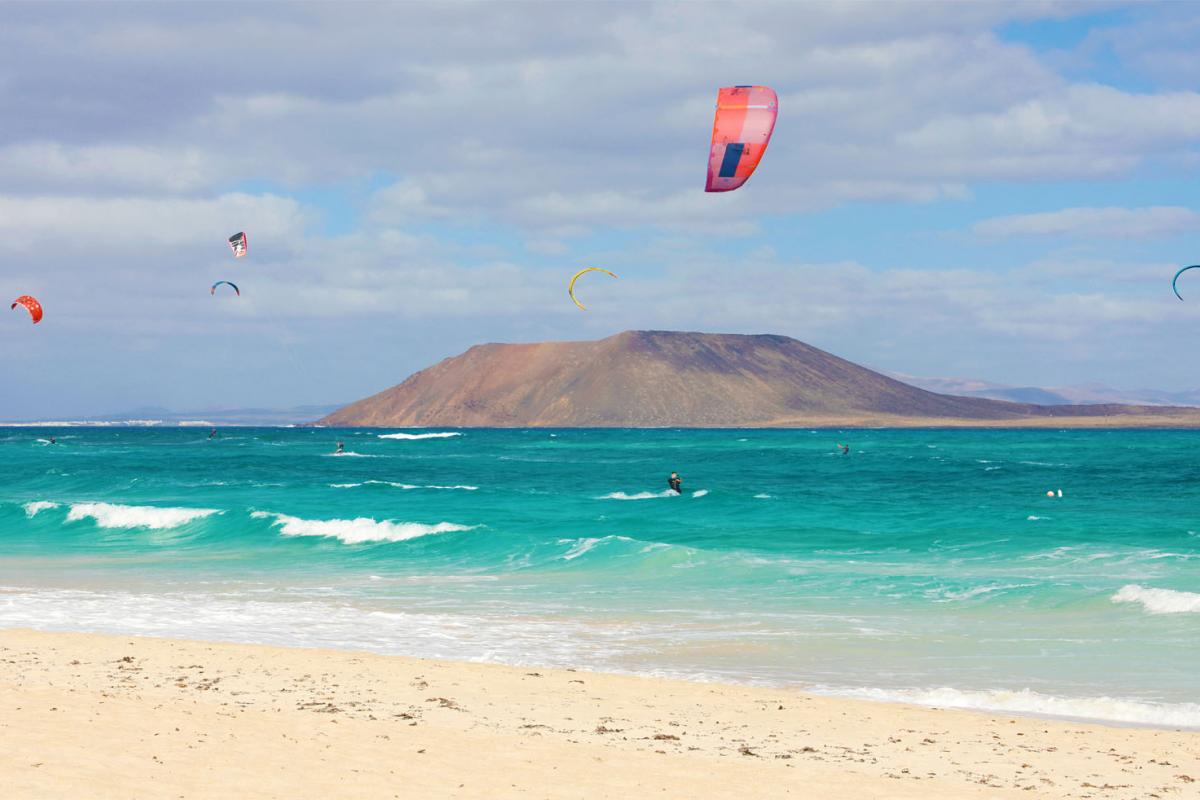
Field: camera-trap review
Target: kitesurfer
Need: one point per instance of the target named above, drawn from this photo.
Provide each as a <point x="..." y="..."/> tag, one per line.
<point x="212" y="434"/>
<point x="676" y="483"/>
<point x="845" y="449"/>
<point x="341" y="448"/>
<point x="53" y="440"/>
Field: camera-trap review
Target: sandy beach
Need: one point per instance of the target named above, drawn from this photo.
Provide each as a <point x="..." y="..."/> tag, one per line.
<point x="85" y="715"/>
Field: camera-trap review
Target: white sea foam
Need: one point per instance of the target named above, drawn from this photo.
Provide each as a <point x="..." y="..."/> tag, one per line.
<point x="1026" y="701"/>
<point x="350" y="454"/>
<point x="1159" y="601"/>
<point x="949" y="596"/>
<point x="581" y="546"/>
<point x="412" y="436"/>
<point x="359" y="530"/>
<point x="700" y="493"/>
<point x="762" y="496"/>
<point x="32" y="509"/>
<point x="406" y="486"/>
<point x="638" y="496"/>
<point x="111" y="515"/>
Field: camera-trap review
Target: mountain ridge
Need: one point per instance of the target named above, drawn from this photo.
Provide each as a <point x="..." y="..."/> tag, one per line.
<point x="689" y="379"/>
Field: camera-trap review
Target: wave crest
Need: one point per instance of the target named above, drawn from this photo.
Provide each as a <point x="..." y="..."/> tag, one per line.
<point x="32" y="509"/>
<point x="411" y="436"/>
<point x="357" y="531"/>
<point x="1159" y="601"/>
<point x="111" y="515"/>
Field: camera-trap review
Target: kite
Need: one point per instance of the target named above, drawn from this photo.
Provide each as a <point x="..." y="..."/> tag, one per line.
<point x="1176" y="278"/>
<point x="227" y="283"/>
<point x="30" y="303"/>
<point x="575" y="277"/>
<point x="741" y="130"/>
<point x="239" y="244"/>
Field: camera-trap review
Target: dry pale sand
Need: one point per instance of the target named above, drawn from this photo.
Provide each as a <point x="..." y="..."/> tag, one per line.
<point x="91" y="716"/>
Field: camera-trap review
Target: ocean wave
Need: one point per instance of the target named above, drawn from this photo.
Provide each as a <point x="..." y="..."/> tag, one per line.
<point x="638" y="496"/>
<point x="349" y="454"/>
<point x="581" y="546"/>
<point x="700" y="493"/>
<point x="32" y="509"/>
<point x="111" y="515"/>
<point x="1026" y="701"/>
<point x="412" y="436"/>
<point x="405" y="486"/>
<point x="1159" y="601"/>
<point x="357" y="531"/>
<point x="950" y="595"/>
<point x="762" y="496"/>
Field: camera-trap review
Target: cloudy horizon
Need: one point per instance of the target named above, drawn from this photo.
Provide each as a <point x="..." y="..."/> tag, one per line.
<point x="981" y="190"/>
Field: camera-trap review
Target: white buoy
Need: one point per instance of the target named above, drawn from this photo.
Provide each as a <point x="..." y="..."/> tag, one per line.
<point x="1060" y="492"/>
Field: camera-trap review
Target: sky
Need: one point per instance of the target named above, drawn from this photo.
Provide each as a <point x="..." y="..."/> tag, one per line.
<point x="983" y="190"/>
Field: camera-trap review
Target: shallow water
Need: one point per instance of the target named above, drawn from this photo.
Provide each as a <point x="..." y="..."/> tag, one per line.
<point x="927" y="565"/>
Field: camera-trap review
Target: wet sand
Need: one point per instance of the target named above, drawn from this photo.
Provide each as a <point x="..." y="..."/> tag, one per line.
<point x="86" y="715"/>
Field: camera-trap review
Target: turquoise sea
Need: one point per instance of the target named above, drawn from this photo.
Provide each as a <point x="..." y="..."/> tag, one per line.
<point x="926" y="565"/>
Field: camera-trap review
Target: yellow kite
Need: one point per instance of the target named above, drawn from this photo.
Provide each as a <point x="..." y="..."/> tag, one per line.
<point x="575" y="277"/>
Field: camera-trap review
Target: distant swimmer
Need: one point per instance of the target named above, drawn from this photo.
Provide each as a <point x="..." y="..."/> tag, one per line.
<point x="341" y="448"/>
<point x="676" y="483"/>
<point x="53" y="440"/>
<point x="212" y="434"/>
<point x="845" y="449"/>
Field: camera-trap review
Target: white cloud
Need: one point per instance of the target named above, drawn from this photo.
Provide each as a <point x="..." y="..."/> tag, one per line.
<point x="1116" y="223"/>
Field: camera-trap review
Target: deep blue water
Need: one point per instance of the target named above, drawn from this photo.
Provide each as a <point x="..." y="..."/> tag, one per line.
<point x="926" y="565"/>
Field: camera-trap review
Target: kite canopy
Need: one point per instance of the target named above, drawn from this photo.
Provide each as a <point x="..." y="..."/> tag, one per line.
<point x="741" y="130"/>
<point x="1176" y="278"/>
<point x="575" y="277"/>
<point x="227" y="283"/>
<point x="239" y="244"/>
<point x="31" y="304"/>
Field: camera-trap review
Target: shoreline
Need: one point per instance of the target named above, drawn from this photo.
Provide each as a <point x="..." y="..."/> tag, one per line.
<point x="104" y="715"/>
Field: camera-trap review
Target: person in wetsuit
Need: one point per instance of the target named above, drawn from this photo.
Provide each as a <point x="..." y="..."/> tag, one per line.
<point x="676" y="483"/>
<point x="341" y="448"/>
<point x="845" y="449"/>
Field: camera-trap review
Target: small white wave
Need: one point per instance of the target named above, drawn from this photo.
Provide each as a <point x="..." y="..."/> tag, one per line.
<point x="1159" y="601"/>
<point x="359" y="530"/>
<point x="762" y="496"/>
<point x="405" y="486"/>
<point x="1026" y="701"/>
<point x="1034" y="518"/>
<point x="581" y="546"/>
<point x="111" y="515"/>
<point x="350" y="454"/>
<point x="638" y="496"/>
<point x="700" y="493"/>
<point x="949" y="595"/>
<point x="32" y="509"/>
<point x="412" y="436"/>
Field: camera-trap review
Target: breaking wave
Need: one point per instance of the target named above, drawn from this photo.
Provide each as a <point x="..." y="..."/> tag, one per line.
<point x="406" y="486"/>
<point x="1159" y="601"/>
<point x="32" y="509"/>
<point x="357" y="531"/>
<point x="111" y="515"/>
<point x="410" y="436"/>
